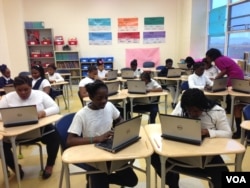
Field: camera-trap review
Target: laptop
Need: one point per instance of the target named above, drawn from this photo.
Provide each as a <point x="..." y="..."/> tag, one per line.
<point x="127" y="74"/>
<point x="8" y="89"/>
<point x="18" y="116"/>
<point x="182" y="65"/>
<point x="112" y="75"/>
<point x="136" y="87"/>
<point x="174" y="73"/>
<point x="241" y="85"/>
<point x="219" y="84"/>
<point x="125" y="134"/>
<point x="113" y="88"/>
<point x="181" y="129"/>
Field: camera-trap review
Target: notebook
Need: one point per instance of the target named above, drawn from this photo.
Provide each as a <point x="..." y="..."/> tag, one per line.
<point x="112" y="75"/>
<point x="18" y="116"/>
<point x="181" y="129"/>
<point x="125" y="134"/>
<point x="174" y="73"/>
<point x="136" y="87"/>
<point x="219" y="84"/>
<point x="240" y="85"/>
<point x="8" y="89"/>
<point x="113" y="88"/>
<point x="127" y="74"/>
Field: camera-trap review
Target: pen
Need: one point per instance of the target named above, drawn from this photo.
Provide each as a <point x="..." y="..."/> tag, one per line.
<point x="158" y="146"/>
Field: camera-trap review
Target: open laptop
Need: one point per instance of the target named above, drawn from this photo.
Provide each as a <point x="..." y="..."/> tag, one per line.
<point x="18" y="116"/>
<point x="125" y="134"/>
<point x="112" y="75"/>
<point x="174" y="73"/>
<point x="181" y="129"/>
<point x="113" y="88"/>
<point x="220" y="84"/>
<point x="241" y="85"/>
<point x="182" y="65"/>
<point x="8" y="89"/>
<point x="127" y="74"/>
<point x="136" y="87"/>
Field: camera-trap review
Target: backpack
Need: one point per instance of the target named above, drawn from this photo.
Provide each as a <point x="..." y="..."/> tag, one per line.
<point x="52" y="93"/>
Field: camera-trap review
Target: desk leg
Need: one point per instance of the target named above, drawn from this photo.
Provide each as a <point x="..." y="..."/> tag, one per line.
<point x="232" y="112"/>
<point x="166" y="104"/>
<point x="13" y="144"/>
<point x="67" y="95"/>
<point x="6" y="180"/>
<point x="177" y="91"/>
<point x="163" y="170"/>
<point x="148" y="163"/>
<point x="66" y="171"/>
<point x="124" y="109"/>
<point x="131" y="107"/>
<point x="238" y="162"/>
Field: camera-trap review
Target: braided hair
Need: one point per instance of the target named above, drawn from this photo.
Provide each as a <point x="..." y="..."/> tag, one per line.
<point x="40" y="69"/>
<point x="93" y="87"/>
<point x="3" y="68"/>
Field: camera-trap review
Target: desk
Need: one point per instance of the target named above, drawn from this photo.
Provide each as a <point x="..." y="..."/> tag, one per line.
<point x="65" y="90"/>
<point x="2" y="158"/>
<point x="120" y="96"/>
<point x="245" y="125"/>
<point x="13" y="132"/>
<point x="215" y="146"/>
<point x="68" y="80"/>
<point x="222" y="94"/>
<point x="89" y="153"/>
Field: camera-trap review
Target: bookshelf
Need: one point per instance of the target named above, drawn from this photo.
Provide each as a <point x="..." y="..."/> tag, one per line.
<point x="69" y="61"/>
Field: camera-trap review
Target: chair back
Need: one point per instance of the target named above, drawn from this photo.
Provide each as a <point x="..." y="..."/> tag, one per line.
<point x="62" y="126"/>
<point x="160" y="67"/>
<point x="24" y="73"/>
<point x="246" y="112"/>
<point x="61" y="71"/>
<point x="148" y="64"/>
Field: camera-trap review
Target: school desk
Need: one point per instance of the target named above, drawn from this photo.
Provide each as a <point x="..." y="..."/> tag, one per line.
<point x="2" y="158"/>
<point x="218" y="95"/>
<point x="245" y="126"/>
<point x="65" y="89"/>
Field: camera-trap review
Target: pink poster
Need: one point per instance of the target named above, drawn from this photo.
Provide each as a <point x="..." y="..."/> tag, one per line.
<point x="142" y="55"/>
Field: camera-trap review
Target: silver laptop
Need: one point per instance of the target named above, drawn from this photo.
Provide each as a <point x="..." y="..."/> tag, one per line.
<point x="181" y="129"/>
<point x="240" y="85"/>
<point x="112" y="75"/>
<point x="125" y="134"/>
<point x="8" y="89"/>
<point x="219" y="84"/>
<point x="113" y="88"/>
<point x="18" y="116"/>
<point x="182" y="65"/>
<point x="174" y="73"/>
<point x="136" y="87"/>
<point x="127" y="74"/>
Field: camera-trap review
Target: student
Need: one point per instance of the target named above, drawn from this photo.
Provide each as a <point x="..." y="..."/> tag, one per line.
<point x="93" y="124"/>
<point x="102" y="73"/>
<point x="211" y="71"/>
<point x="198" y="79"/>
<point x="190" y="62"/>
<point x="5" y="79"/>
<point x="194" y="104"/>
<point x="133" y="66"/>
<point x="54" y="76"/>
<point x="24" y="95"/>
<point x="151" y="86"/>
<point x="39" y="82"/>
<point x="92" y="76"/>
<point x="168" y="65"/>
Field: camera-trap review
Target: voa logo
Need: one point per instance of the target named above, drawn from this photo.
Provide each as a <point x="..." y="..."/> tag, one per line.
<point x="236" y="179"/>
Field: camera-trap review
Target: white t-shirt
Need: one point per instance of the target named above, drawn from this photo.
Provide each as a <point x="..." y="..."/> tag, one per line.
<point x="102" y="74"/>
<point x="153" y="84"/>
<point x="211" y="72"/>
<point x="39" y="98"/>
<point x="137" y="72"/>
<point x="199" y="82"/>
<point x="44" y="83"/>
<point x="91" y="123"/>
<point x="56" y="77"/>
<point x="215" y="120"/>
<point x="85" y="81"/>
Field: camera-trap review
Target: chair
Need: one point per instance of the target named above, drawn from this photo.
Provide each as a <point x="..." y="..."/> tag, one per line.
<point x="160" y="67"/>
<point x="67" y="77"/>
<point x="59" y="92"/>
<point x="4" y="168"/>
<point x="24" y="73"/>
<point x="246" y="115"/>
<point x="148" y="64"/>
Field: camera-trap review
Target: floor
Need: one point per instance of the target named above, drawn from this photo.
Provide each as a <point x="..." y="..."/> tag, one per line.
<point x="30" y="162"/>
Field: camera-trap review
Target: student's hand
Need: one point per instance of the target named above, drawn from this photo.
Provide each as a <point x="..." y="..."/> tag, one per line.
<point x="204" y="132"/>
<point x="106" y="136"/>
<point x="52" y="81"/>
<point x="208" y="87"/>
<point x="41" y="114"/>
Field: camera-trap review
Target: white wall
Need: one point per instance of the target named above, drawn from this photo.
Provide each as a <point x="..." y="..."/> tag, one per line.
<point x="184" y="26"/>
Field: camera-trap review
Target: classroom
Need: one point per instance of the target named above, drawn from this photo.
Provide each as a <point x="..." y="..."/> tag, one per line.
<point x="117" y="32"/>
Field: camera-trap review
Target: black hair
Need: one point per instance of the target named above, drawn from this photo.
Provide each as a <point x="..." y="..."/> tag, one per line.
<point x="169" y="60"/>
<point x="92" y="68"/>
<point x="146" y="75"/>
<point x="213" y="53"/>
<point x="133" y="62"/>
<point x="93" y="87"/>
<point x="40" y="69"/>
<point x="198" y="65"/>
<point x="3" y="68"/>
<point x="190" y="61"/>
<point x="20" y="80"/>
<point x="51" y="66"/>
<point x="196" y="97"/>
